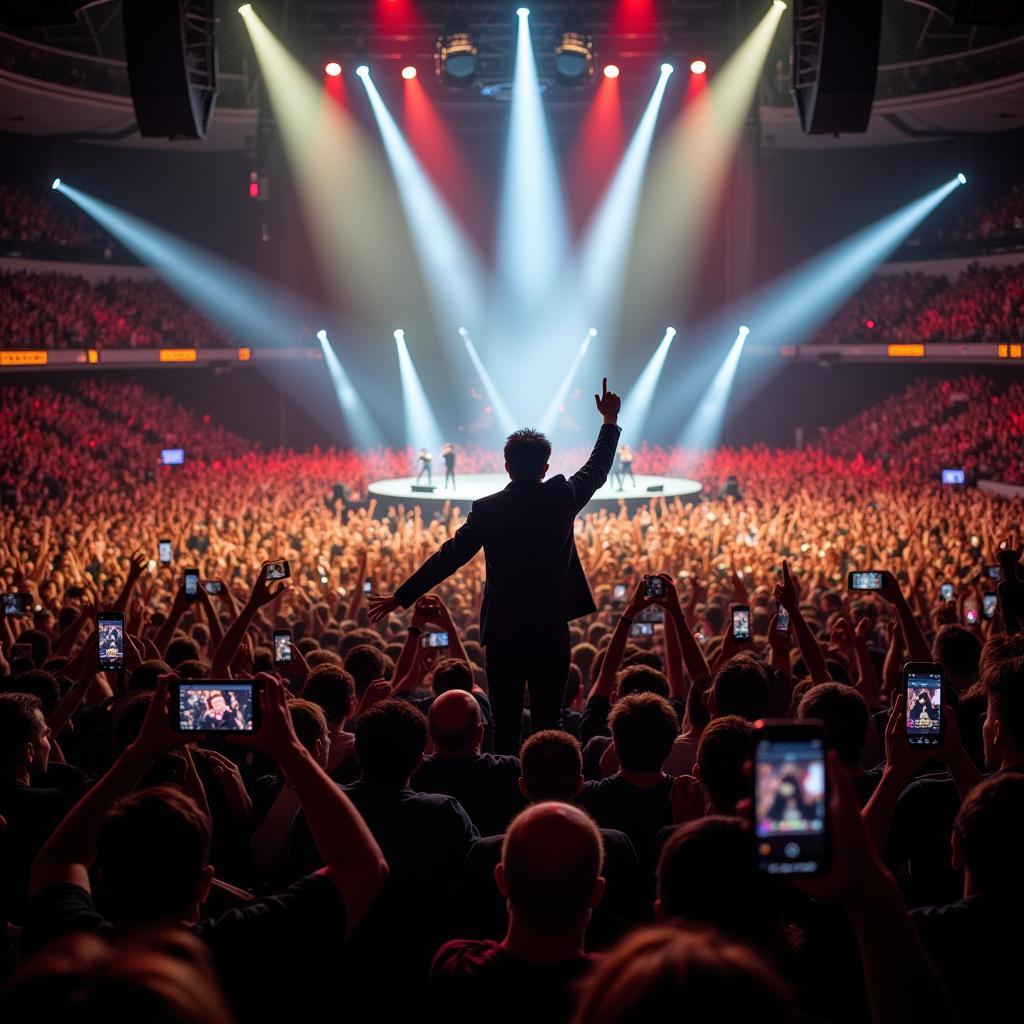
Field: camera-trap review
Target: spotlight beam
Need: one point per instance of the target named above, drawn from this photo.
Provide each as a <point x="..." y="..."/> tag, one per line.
<point x="361" y="425"/>
<point x="421" y="426"/>
<point x="550" y="417"/>
<point x="705" y="425"/>
<point x="505" y="419"/>
<point x="638" y="402"/>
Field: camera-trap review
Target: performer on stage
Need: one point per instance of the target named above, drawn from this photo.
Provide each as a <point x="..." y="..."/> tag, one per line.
<point x="448" y="454"/>
<point x="425" y="459"/>
<point x="624" y="466"/>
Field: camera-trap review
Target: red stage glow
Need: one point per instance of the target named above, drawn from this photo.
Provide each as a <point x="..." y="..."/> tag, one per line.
<point x="408" y="72"/>
<point x="332" y="68"/>
<point x="634" y="16"/>
<point x="254" y="190"/>
<point x="698" y="66"/>
<point x="597" y="150"/>
<point x="392" y="14"/>
<point x="611" y="71"/>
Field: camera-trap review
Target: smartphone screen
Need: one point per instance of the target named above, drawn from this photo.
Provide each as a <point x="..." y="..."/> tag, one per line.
<point x="641" y="629"/>
<point x="15" y="604"/>
<point x="110" y="636"/>
<point x="922" y="682"/>
<point x="971" y="612"/>
<point x="790" y="798"/>
<point x="278" y="570"/>
<point x="164" y="552"/>
<point x="435" y="639"/>
<point x="205" y="705"/>
<point x="367" y="586"/>
<point x="282" y="647"/>
<point x="213" y="586"/>
<point x="947" y="592"/>
<point x="191" y="583"/>
<point x="866" y="580"/>
<point x="989" y="603"/>
<point x="741" y="622"/>
<point x="993" y="572"/>
<point x="619" y="592"/>
<point x="654" y="586"/>
<point x="782" y="619"/>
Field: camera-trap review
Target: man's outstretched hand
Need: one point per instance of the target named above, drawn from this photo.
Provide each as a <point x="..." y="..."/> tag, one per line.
<point x="608" y="403"/>
<point x="381" y="606"/>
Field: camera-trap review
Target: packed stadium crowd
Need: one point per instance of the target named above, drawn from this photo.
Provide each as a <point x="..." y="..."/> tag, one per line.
<point x="31" y="216"/>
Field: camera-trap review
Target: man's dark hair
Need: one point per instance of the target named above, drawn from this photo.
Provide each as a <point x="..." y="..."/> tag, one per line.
<point x="1004" y="684"/>
<point x="18" y="725"/>
<point x="957" y="650"/>
<point x="332" y="688"/>
<point x="308" y="721"/>
<point x="707" y="876"/>
<point x="845" y="714"/>
<point x="723" y="748"/>
<point x="452" y="674"/>
<point x="357" y="638"/>
<point x="144" y="676"/>
<point x="182" y="648"/>
<point x="39" y="683"/>
<point x="390" y="740"/>
<point x="552" y="764"/>
<point x="644" y="727"/>
<point x="641" y="679"/>
<point x="990" y="830"/>
<point x="527" y="452"/>
<point x="321" y="657"/>
<point x="151" y="850"/>
<point x="740" y="687"/>
<point x="39" y="642"/>
<point x="364" y="663"/>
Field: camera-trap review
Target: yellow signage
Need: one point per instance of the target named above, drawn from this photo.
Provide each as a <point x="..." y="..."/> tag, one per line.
<point x="177" y="355"/>
<point x="25" y="357"/>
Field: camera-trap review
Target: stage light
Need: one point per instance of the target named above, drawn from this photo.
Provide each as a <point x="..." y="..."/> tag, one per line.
<point x="744" y="330"/>
<point x="523" y="12"/>
<point x="399" y="334"/>
<point x="455" y="54"/>
<point x="321" y="335"/>
<point x="574" y="52"/>
<point x="698" y="66"/>
<point x="408" y="72"/>
<point x="611" y="71"/>
<point x="667" y="69"/>
<point x="56" y="183"/>
<point x="592" y="332"/>
<point x="638" y="402"/>
<point x="781" y="4"/>
<point x="361" y="425"/>
<point x="550" y="418"/>
<point x="962" y="178"/>
<point x="705" y="425"/>
<point x="363" y="71"/>
<point x="421" y="426"/>
<point x="245" y="9"/>
<point x="497" y="403"/>
<point x="332" y="68"/>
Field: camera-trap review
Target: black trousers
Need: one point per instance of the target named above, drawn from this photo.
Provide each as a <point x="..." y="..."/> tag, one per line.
<point x="449" y="474"/>
<point x="540" y="662"/>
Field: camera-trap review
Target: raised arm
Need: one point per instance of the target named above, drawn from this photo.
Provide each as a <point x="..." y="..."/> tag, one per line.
<point x="262" y="593"/>
<point x="788" y="595"/>
<point x="917" y="645"/>
<point x="587" y="480"/>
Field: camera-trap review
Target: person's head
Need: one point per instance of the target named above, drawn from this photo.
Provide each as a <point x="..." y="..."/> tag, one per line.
<point x="723" y="749"/>
<point x="182" y="648"/>
<point x="583" y="655"/>
<point x="144" y="676"/>
<point x="739" y="687"/>
<point x="162" y="976"/>
<point x="552" y="765"/>
<point x="24" y="736"/>
<point x="1003" y="731"/>
<point x="364" y="663"/>
<point x="333" y="689"/>
<point x="321" y="657"/>
<point x="707" y="877"/>
<point x="550" y="870"/>
<point x="526" y="455"/>
<point x="643" y="727"/>
<point x="40" y="644"/>
<point x="958" y="651"/>
<point x="668" y="974"/>
<point x="41" y="684"/>
<point x="193" y="669"/>
<point x="845" y="714"/>
<point x="310" y="724"/>
<point x="357" y="637"/>
<point x="152" y="856"/>
<point x="452" y="674"/>
<point x="714" y="619"/>
<point x="456" y="724"/>
<point x="641" y="679"/>
<point x="988" y="838"/>
<point x="390" y="739"/>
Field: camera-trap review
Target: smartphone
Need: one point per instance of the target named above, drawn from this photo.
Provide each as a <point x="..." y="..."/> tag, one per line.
<point x="282" y="646"/>
<point x="75" y="593"/>
<point x="619" y="592"/>
<point x="790" y="803"/>
<point x="971" y="611"/>
<point x="641" y="629"/>
<point x="947" y="592"/>
<point x="164" y="551"/>
<point x="871" y="580"/>
<point x="110" y="636"/>
<point x="21" y="651"/>
<point x="215" y="705"/>
<point x="741" y="622"/>
<point x="993" y="572"/>
<point x="213" y="586"/>
<point x="278" y="570"/>
<point x="367" y="586"/>
<point x="781" y="619"/>
<point x="15" y="604"/>
<point x="989" y="603"/>
<point x="438" y="638"/>
<point x="922" y="684"/>
<point x="191" y="584"/>
<point x="654" y="586"/>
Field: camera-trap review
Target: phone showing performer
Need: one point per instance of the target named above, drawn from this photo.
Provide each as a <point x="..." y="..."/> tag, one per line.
<point x="211" y="705"/>
<point x="654" y="586"/>
<point x="741" y="622"/>
<point x="947" y="592"/>
<point x="866" y="580"/>
<point x="790" y="805"/>
<point x="619" y="592"/>
<point x="110" y="637"/>
<point x="367" y="586"/>
<point x="191" y="584"/>
<point x="782" y="620"/>
<point x="165" y="551"/>
<point x="282" y="646"/>
<point x="278" y="569"/>
<point x="641" y="629"/>
<point x="922" y="685"/>
<point x="437" y="638"/>
<point x="989" y="604"/>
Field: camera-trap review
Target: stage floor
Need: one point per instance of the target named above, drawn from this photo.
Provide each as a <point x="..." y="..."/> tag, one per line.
<point x="478" y="485"/>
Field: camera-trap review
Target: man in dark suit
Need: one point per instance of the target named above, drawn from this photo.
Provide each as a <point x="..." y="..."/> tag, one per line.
<point x="535" y="582"/>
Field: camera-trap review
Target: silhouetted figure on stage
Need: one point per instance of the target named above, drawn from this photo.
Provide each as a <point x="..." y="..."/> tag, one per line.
<point x="731" y="489"/>
<point x="448" y="454"/>
<point x="624" y="466"/>
<point x="425" y="459"/>
<point x="535" y="582"/>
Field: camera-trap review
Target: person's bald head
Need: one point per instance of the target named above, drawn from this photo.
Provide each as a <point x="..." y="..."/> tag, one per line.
<point x="456" y="724"/>
<point x="550" y="868"/>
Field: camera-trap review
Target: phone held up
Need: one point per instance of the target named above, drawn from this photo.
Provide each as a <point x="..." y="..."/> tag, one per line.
<point x="278" y="569"/>
<point x="790" y="804"/>
<point x="654" y="586"/>
<point x="437" y="638"/>
<point x="215" y="705"/>
<point x="191" y="578"/>
<point x="110" y="637"/>
<point x="866" y="580"/>
<point x="741" y="622"/>
<point x="641" y="629"/>
<point x="282" y="646"/>
<point x="922" y="685"/>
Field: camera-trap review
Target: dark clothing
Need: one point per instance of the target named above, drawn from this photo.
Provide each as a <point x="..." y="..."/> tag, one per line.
<point x="258" y="951"/>
<point x="640" y="813"/>
<point x="449" y="467"/>
<point x="535" y="582"/>
<point x="471" y="981"/>
<point x="485" y="912"/>
<point x="976" y="945"/>
<point x="540" y="663"/>
<point x="487" y="786"/>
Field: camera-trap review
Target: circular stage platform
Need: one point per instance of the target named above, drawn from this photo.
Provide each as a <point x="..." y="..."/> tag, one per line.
<point x="478" y="485"/>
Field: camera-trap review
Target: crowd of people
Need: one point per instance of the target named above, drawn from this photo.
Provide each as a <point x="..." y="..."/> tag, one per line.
<point x="33" y="217"/>
<point x="376" y="845"/>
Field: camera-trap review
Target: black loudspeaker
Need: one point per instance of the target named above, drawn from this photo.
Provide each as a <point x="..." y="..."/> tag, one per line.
<point x="988" y="12"/>
<point x="655" y="488"/>
<point x="423" y="488"/>
<point x="835" y="63"/>
<point x="171" y="54"/>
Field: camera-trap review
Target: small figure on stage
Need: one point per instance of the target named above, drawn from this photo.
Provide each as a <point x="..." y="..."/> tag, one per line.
<point x="448" y="454"/>
<point x="624" y="466"/>
<point x="425" y="459"/>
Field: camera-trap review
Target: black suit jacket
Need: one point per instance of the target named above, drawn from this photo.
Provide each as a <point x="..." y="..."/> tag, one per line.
<point x="535" y="581"/>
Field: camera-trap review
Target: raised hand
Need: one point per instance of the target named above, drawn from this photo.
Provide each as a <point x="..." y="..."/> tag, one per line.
<point x="264" y="591"/>
<point x="787" y="593"/>
<point x="381" y="606"/>
<point x="608" y="403"/>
